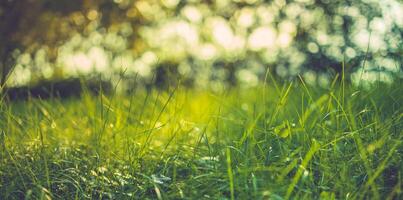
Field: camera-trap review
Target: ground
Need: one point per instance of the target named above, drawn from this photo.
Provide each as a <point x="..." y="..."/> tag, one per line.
<point x="275" y="141"/>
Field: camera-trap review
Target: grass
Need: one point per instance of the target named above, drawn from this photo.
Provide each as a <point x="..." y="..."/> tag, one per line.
<point x="277" y="141"/>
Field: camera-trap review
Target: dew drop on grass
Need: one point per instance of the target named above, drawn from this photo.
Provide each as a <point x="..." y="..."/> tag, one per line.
<point x="306" y="173"/>
<point x="210" y="158"/>
<point x="102" y="169"/>
<point x="160" y="179"/>
<point x="158" y="125"/>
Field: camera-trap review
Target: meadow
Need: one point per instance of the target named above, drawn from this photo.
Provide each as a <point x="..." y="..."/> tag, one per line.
<point x="283" y="140"/>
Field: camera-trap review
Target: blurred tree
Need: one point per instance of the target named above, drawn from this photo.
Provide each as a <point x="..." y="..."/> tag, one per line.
<point x="26" y="25"/>
<point x="10" y="19"/>
<point x="292" y="35"/>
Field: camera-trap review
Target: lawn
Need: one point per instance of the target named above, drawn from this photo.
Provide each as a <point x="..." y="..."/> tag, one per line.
<point x="278" y="140"/>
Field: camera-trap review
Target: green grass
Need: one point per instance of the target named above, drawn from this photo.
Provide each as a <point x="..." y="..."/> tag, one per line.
<point x="277" y="141"/>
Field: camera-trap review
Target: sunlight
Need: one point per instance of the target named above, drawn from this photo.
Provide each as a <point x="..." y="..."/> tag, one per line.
<point x="170" y="3"/>
<point x="99" y="58"/>
<point x="222" y="32"/>
<point x="92" y="15"/>
<point x="246" y="17"/>
<point x="81" y="63"/>
<point x="284" y="40"/>
<point x="206" y="51"/>
<point x="248" y="78"/>
<point x="142" y="68"/>
<point x="192" y="13"/>
<point x="262" y="37"/>
<point x="123" y="61"/>
<point x="313" y="48"/>
<point x="201" y="99"/>
<point x="20" y="76"/>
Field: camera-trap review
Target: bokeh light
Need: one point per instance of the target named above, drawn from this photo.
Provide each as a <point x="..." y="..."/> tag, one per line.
<point x="309" y="38"/>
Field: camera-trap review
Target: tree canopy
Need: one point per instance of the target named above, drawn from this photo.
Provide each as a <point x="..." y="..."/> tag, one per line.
<point x="202" y="41"/>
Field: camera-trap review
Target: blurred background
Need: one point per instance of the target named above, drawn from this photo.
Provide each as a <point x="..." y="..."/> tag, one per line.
<point x="202" y="43"/>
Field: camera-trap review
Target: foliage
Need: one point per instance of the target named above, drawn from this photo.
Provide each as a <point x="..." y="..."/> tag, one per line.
<point x="203" y="41"/>
<point x="278" y="141"/>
